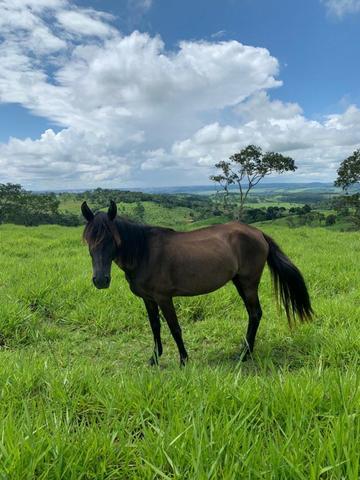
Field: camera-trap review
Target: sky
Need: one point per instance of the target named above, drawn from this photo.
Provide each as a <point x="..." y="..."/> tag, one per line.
<point x="149" y="93"/>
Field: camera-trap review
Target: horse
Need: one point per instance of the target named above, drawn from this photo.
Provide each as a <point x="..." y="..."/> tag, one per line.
<point x="161" y="263"/>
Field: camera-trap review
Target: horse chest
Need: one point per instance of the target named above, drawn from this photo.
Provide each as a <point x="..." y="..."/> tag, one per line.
<point x="135" y="285"/>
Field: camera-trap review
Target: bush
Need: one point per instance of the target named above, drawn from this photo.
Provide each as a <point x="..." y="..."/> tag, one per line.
<point x="330" y="220"/>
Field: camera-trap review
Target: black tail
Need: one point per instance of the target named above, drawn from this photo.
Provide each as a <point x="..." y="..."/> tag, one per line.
<point x="290" y="287"/>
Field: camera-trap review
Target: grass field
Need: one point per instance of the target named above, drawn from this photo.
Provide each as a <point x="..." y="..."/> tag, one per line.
<point x="77" y="400"/>
<point x="154" y="213"/>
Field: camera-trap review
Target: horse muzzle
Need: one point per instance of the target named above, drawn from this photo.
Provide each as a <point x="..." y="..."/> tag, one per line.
<point x="101" y="282"/>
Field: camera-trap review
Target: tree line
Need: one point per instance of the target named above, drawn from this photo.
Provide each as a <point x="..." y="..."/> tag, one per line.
<point x="244" y="169"/>
<point x="22" y="207"/>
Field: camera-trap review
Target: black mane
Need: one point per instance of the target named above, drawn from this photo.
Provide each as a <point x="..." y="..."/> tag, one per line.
<point x="134" y="237"/>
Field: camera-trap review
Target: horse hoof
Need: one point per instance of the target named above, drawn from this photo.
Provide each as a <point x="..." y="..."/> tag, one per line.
<point x="153" y="362"/>
<point x="245" y="354"/>
<point x="183" y="361"/>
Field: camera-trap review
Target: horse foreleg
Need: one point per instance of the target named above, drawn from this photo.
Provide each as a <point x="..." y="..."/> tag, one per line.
<point x="168" y="310"/>
<point x="154" y="318"/>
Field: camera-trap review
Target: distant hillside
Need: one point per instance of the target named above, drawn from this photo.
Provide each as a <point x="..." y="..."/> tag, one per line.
<point x="267" y="187"/>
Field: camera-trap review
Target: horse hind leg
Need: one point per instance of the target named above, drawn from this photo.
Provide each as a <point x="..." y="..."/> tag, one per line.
<point x="248" y="291"/>
<point x="153" y="314"/>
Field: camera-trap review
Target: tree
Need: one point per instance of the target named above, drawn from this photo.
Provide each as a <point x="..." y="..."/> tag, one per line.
<point x="330" y="220"/>
<point x="27" y="208"/>
<point x="349" y="171"/>
<point x="11" y="197"/>
<point x="348" y="175"/>
<point x="139" y="212"/>
<point x="300" y="210"/>
<point x="246" y="169"/>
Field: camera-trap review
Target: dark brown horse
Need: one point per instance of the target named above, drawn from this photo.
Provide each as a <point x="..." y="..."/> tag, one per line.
<point x="160" y="264"/>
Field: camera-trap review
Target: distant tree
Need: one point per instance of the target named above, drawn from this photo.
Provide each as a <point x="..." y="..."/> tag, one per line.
<point x="312" y="218"/>
<point x="349" y="171"/>
<point x="274" y="212"/>
<point x="246" y="169"/>
<point x="330" y="220"/>
<point x="252" y="215"/>
<point x="348" y="175"/>
<point x="300" y="210"/>
<point x="348" y="207"/>
<point x="11" y="197"/>
<point x="27" y="208"/>
<point x="139" y="212"/>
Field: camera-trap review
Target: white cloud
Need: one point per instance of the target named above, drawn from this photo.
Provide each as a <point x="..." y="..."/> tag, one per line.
<point x="340" y="8"/>
<point x="21" y="25"/>
<point x="276" y="126"/>
<point x="144" y="4"/>
<point x="218" y="34"/>
<point x="260" y="107"/>
<point x="131" y="112"/>
<point x="57" y="158"/>
<point x="87" y="22"/>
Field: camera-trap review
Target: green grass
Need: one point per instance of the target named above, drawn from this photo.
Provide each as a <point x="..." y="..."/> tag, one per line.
<point x="155" y="214"/>
<point x="78" y="401"/>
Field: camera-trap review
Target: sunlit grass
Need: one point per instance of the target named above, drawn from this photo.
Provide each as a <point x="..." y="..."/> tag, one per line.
<point x="78" y="401"/>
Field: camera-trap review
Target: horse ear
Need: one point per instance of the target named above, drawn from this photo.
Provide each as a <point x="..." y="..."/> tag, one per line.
<point x="86" y="211"/>
<point x="112" y="210"/>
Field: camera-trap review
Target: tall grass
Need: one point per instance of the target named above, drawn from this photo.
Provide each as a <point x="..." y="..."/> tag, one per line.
<point x="77" y="400"/>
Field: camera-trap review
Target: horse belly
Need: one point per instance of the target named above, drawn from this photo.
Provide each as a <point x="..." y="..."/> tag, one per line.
<point x="200" y="274"/>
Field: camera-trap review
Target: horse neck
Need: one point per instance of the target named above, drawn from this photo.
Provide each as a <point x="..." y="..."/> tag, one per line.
<point x="133" y="249"/>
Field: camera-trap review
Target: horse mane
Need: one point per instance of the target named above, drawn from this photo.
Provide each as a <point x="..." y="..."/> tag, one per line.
<point x="132" y="237"/>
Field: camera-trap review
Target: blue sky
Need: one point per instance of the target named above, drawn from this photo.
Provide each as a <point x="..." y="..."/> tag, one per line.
<point x="318" y="51"/>
<point x="149" y="93"/>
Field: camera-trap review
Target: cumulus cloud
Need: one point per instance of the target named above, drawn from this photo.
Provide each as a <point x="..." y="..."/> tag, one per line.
<point x="62" y="156"/>
<point x="339" y="8"/>
<point x="131" y="112"/>
<point x="282" y="127"/>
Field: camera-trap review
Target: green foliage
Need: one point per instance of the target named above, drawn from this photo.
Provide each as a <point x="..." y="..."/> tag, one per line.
<point x="26" y="208"/>
<point x="253" y="215"/>
<point x="349" y="171"/>
<point x="139" y="212"/>
<point x="246" y="169"/>
<point x="78" y="401"/>
<point x="348" y="175"/>
<point x="300" y="210"/>
<point x="348" y="206"/>
<point x="330" y="220"/>
<point x="100" y="198"/>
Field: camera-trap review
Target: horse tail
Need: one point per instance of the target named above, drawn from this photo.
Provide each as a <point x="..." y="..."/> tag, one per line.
<point x="289" y="284"/>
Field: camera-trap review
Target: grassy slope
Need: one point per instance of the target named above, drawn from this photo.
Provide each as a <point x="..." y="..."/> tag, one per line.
<point x="155" y="214"/>
<point x="78" y="402"/>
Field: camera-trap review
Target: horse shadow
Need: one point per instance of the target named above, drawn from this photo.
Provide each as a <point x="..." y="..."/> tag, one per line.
<point x="289" y="356"/>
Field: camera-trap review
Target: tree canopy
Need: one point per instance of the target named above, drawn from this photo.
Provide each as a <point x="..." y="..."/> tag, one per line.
<point x="247" y="168"/>
<point x="26" y="208"/>
<point x="349" y="174"/>
<point x="349" y="171"/>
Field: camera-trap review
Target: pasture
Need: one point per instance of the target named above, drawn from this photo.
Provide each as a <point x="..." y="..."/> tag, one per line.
<point x="78" y="400"/>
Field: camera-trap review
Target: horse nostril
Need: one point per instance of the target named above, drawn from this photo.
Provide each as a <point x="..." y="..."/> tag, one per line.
<point x="94" y="280"/>
<point x="107" y="279"/>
